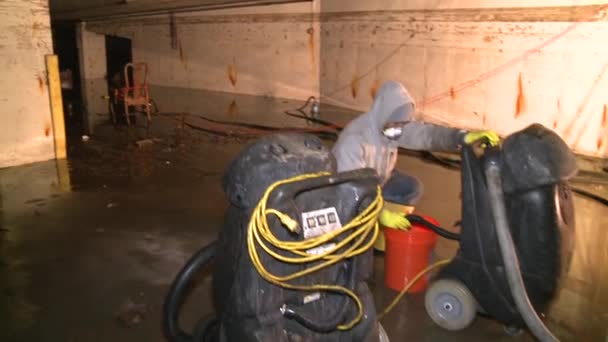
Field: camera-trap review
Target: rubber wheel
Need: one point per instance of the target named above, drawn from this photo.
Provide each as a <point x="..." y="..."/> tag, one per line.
<point x="512" y="331"/>
<point x="450" y="304"/>
<point x="383" y="336"/>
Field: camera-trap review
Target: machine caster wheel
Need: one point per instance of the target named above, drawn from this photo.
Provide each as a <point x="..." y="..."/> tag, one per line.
<point x="450" y="304"/>
<point x="512" y="330"/>
<point x="383" y="336"/>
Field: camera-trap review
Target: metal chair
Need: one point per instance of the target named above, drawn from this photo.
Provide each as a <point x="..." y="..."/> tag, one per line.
<point x="134" y="93"/>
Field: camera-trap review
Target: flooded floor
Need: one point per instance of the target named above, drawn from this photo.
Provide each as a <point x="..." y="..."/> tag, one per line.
<point x="89" y="247"/>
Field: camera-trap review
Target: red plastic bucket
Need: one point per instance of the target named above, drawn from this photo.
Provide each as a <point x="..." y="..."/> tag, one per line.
<point x="407" y="253"/>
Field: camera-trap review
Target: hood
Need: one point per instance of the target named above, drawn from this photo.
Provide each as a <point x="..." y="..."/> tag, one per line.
<point x="392" y="103"/>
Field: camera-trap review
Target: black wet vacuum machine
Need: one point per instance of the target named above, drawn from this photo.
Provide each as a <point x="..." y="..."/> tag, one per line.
<point x="295" y="253"/>
<point x="517" y="234"/>
<point x="321" y="305"/>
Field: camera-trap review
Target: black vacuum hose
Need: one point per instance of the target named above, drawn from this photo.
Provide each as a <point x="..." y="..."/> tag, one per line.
<point x="438" y="230"/>
<point x="178" y="290"/>
<point x="509" y="255"/>
<point x="590" y="195"/>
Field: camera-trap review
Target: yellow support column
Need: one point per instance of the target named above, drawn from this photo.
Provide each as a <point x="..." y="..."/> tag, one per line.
<point x="52" y="68"/>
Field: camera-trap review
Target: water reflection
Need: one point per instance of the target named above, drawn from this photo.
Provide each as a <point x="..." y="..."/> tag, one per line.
<point x="582" y="305"/>
<point x="16" y="309"/>
<point x="185" y="165"/>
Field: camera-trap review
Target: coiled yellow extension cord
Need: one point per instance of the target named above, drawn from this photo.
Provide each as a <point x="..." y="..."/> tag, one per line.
<point x="361" y="227"/>
<point x="363" y="233"/>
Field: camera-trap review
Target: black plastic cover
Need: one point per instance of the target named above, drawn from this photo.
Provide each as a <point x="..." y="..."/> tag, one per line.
<point x="272" y="158"/>
<point x="541" y="222"/>
<point x="247" y="305"/>
<point x="535" y="156"/>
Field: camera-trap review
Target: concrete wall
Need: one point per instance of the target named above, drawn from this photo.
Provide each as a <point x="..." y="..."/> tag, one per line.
<point x="470" y="64"/>
<point x="476" y="64"/>
<point x="270" y="51"/>
<point x="26" y="131"/>
<point x="92" y="54"/>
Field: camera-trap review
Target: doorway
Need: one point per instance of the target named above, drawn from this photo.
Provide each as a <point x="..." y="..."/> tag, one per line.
<point x="65" y="46"/>
<point x="118" y="54"/>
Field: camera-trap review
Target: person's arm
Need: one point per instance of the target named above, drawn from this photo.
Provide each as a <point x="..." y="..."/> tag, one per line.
<point x="420" y="136"/>
<point x="349" y="155"/>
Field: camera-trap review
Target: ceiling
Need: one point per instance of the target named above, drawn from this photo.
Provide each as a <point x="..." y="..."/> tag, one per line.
<point x="98" y="9"/>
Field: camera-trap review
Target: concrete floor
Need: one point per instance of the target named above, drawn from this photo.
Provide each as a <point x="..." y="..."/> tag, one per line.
<point x="88" y="247"/>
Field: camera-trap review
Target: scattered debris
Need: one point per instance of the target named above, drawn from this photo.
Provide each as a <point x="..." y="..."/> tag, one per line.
<point x="168" y="162"/>
<point x="144" y="143"/>
<point x="86" y="138"/>
<point x="131" y="314"/>
<point x="111" y="205"/>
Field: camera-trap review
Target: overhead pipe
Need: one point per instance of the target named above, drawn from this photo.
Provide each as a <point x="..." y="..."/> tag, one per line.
<point x="116" y="11"/>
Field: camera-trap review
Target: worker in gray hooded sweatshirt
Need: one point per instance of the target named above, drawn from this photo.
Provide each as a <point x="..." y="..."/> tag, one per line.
<point x="372" y="140"/>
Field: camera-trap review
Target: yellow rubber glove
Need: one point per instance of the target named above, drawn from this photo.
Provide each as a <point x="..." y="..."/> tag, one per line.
<point x="391" y="219"/>
<point x="474" y="136"/>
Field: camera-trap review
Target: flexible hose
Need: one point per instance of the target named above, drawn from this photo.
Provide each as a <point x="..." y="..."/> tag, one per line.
<point x="249" y="130"/>
<point x="261" y="127"/>
<point x="178" y="290"/>
<point x="362" y="233"/>
<point x="509" y="256"/>
<point x="438" y="230"/>
<point x="590" y="195"/>
<point x="310" y="98"/>
<point x="322" y="122"/>
<point x="311" y="119"/>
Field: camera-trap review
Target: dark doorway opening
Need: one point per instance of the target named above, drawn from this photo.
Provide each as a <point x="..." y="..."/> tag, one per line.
<point x="118" y="54"/>
<point x="66" y="48"/>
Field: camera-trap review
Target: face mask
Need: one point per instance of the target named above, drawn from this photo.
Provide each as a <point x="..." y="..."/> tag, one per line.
<point x="393" y="133"/>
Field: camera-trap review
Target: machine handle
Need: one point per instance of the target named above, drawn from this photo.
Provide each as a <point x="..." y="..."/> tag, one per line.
<point x="291" y="190"/>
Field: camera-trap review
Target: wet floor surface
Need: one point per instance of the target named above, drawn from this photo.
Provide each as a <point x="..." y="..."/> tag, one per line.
<point x="88" y="247"/>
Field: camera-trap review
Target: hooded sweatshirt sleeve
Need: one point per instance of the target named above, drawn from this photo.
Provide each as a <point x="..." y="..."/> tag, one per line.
<point x="349" y="154"/>
<point x="420" y="136"/>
